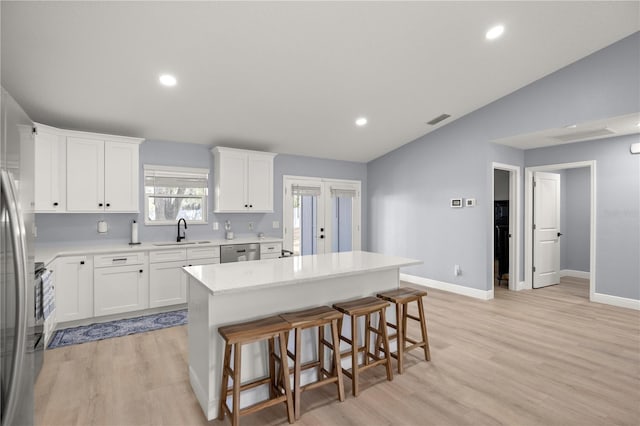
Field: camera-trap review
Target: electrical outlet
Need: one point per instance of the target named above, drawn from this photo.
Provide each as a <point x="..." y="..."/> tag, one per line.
<point x="216" y="226"/>
<point x="456" y="270"/>
<point x="250" y="225"/>
<point x="276" y="224"/>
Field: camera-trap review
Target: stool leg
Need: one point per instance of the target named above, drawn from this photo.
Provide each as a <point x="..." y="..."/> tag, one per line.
<point x="296" y="373"/>
<point x="423" y="327"/>
<point x="354" y="356"/>
<point x="272" y="370"/>
<point x="225" y="380"/>
<point x="400" y="334"/>
<point x="235" y="414"/>
<point x="336" y="358"/>
<point x="285" y="377"/>
<point x="321" y="366"/>
<point x="367" y="334"/>
<point x="385" y="342"/>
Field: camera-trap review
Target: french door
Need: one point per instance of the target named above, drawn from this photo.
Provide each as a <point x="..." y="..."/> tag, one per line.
<point x="321" y="215"/>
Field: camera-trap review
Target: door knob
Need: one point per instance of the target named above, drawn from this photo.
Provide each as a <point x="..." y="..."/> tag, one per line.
<point x="55" y="204"/>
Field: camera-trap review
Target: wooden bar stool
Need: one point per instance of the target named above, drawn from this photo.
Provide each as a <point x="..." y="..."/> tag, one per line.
<point x="237" y="335"/>
<point x="308" y="318"/>
<point x="401" y="298"/>
<point x="364" y="307"/>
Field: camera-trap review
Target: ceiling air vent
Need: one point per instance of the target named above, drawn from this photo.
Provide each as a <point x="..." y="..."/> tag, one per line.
<point x="584" y="134"/>
<point x="438" y="119"/>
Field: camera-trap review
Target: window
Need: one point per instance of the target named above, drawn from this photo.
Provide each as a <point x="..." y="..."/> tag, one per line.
<point x="171" y="193"/>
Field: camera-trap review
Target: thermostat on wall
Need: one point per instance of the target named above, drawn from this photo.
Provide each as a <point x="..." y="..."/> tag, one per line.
<point x="470" y="202"/>
<point x="456" y="203"/>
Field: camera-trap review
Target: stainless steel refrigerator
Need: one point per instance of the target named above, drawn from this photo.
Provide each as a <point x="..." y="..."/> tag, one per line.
<point x="21" y="341"/>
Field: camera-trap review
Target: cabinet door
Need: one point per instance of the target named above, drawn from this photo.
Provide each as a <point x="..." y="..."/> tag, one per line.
<point x="50" y="172"/>
<point x="74" y="288"/>
<point x="260" y="183"/>
<point x="231" y="187"/>
<point x="121" y="176"/>
<point x="167" y="284"/>
<point x="120" y="289"/>
<point x="85" y="175"/>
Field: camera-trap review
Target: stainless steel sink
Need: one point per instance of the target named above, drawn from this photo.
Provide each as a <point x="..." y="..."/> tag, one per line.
<point x="181" y="243"/>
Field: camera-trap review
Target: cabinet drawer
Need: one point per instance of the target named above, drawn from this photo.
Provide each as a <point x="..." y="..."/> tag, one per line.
<point x="207" y="261"/>
<point x="118" y="259"/>
<point x="175" y="255"/>
<point x="270" y="248"/>
<point x="269" y="256"/>
<point x="203" y="252"/>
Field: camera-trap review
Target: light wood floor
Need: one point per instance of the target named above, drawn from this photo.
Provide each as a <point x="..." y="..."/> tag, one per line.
<point x="543" y="357"/>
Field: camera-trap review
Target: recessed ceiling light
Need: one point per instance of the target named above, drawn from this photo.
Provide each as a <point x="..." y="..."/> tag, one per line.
<point x="168" y="80"/>
<point x="361" y="121"/>
<point x="494" y="32"/>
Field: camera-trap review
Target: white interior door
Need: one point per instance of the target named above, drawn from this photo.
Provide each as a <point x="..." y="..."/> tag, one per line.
<point x="321" y="215"/>
<point x="546" y="232"/>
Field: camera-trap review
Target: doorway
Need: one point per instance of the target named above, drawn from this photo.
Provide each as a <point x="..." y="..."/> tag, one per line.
<point x="545" y="232"/>
<point x="505" y="226"/>
<point x="321" y="215"/>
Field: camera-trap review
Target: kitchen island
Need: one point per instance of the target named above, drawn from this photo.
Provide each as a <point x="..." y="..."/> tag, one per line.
<point x="235" y="292"/>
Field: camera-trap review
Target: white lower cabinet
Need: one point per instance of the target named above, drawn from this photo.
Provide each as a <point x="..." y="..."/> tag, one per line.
<point x="74" y="288"/>
<point x="121" y="288"/>
<point x="167" y="284"/>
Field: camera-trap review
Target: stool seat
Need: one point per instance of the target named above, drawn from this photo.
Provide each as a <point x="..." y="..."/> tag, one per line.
<point x="365" y="307"/>
<point x="401" y="297"/>
<point x="259" y="329"/>
<point x="307" y="317"/>
<point x="361" y="306"/>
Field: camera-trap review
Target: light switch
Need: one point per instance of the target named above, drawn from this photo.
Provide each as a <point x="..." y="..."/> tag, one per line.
<point x="276" y="224"/>
<point x="216" y="226"/>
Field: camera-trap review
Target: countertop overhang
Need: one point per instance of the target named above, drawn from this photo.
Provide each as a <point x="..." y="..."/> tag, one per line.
<point x="243" y="276"/>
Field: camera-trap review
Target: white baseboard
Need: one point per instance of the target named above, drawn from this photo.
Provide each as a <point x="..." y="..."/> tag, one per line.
<point x="453" y="288"/>
<point x="575" y="274"/>
<point x="522" y="285"/>
<point x="622" y="302"/>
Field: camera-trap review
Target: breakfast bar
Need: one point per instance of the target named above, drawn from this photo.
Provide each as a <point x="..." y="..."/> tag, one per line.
<point x="224" y="294"/>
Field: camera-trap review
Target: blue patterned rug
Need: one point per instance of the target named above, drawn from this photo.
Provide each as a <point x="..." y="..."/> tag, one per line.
<point x="106" y="330"/>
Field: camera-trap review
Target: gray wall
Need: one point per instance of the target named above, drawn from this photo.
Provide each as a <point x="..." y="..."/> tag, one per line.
<point x="72" y="228"/>
<point x="409" y="188"/>
<point x="617" y="211"/>
<point x="575" y="219"/>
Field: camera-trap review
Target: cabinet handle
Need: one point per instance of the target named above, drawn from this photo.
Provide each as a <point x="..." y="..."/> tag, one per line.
<point x="99" y="204"/>
<point x="246" y="205"/>
<point x="140" y="271"/>
<point x="82" y="262"/>
<point x="120" y="259"/>
<point x="55" y="204"/>
<point x="108" y="205"/>
<point x="251" y="205"/>
<point x="190" y="265"/>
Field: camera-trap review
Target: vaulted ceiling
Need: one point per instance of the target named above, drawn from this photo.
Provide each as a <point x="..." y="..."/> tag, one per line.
<point x="288" y="77"/>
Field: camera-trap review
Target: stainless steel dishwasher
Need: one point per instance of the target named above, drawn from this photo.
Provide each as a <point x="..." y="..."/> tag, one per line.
<point x="239" y="252"/>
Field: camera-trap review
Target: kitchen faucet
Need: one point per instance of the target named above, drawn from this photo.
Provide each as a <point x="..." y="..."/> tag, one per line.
<point x="184" y="234"/>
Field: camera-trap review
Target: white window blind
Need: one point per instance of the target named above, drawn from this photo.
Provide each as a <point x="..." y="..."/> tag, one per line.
<point x="343" y="192"/>
<point x="172" y="193"/>
<point x="306" y="190"/>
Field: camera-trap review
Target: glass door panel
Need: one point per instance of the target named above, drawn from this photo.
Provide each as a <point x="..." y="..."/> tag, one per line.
<point x="341" y="224"/>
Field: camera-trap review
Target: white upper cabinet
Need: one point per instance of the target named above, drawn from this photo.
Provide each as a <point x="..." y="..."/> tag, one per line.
<point x="85" y="175"/>
<point x="86" y="172"/>
<point x="243" y="181"/>
<point x="50" y="171"/>
<point x="121" y="168"/>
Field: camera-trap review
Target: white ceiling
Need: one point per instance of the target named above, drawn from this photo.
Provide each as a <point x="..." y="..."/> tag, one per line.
<point x="288" y="77"/>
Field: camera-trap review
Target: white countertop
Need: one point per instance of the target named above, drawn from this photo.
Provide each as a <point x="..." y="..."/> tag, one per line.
<point x="242" y="276"/>
<point x="48" y="252"/>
